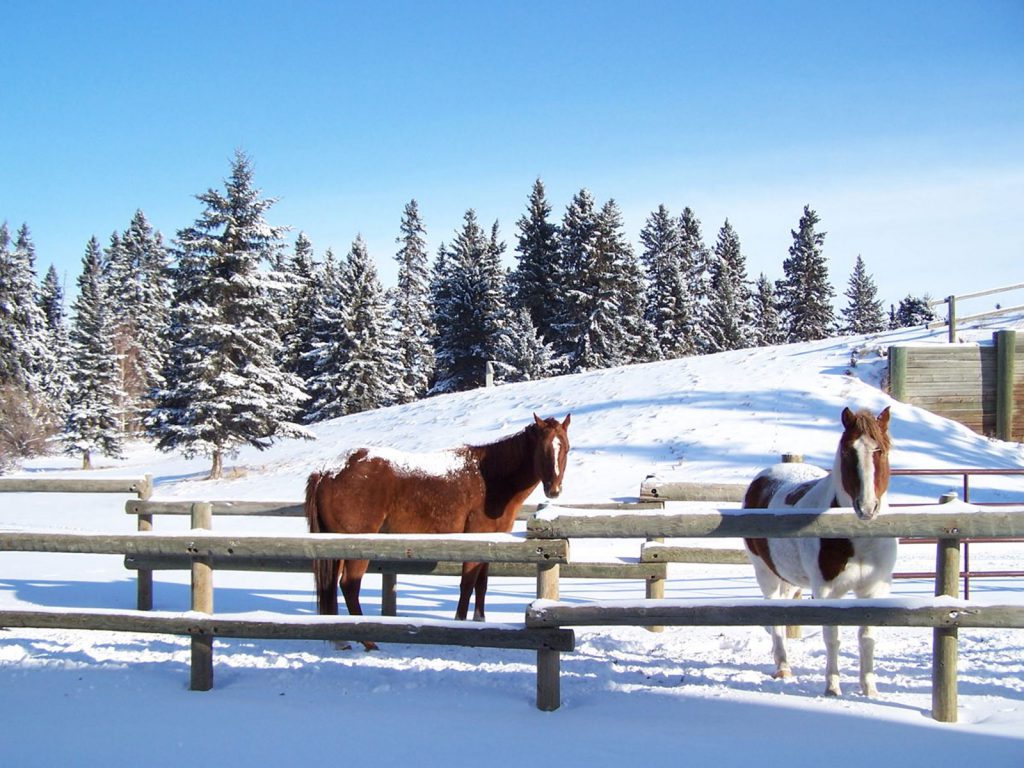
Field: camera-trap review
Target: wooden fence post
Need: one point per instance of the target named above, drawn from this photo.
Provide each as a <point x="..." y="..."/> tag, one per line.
<point x="951" y="318"/>
<point x="202" y="602"/>
<point x="945" y="639"/>
<point x="1006" y="347"/>
<point x="898" y="373"/>
<point x="144" y="577"/>
<point x="549" y="693"/>
<point x="655" y="589"/>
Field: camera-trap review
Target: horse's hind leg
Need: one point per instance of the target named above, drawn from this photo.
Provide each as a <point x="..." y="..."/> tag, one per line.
<point x="471" y="573"/>
<point x="351" y="582"/>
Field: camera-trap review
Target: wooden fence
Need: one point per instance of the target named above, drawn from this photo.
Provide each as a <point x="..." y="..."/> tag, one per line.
<point x="546" y="547"/>
<point x="979" y="385"/>
<point x="956" y="521"/>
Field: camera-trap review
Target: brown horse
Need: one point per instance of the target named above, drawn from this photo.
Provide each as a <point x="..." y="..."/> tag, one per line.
<point x="471" y="489"/>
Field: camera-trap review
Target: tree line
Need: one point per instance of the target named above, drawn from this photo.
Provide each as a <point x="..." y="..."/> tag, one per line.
<point x="228" y="337"/>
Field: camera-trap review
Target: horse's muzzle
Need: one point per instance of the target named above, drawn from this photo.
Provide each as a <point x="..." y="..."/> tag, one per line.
<point x="552" y="491"/>
<point x="866" y="511"/>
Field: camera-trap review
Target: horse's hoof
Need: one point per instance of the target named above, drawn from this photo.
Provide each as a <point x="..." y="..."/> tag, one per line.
<point x="370" y="646"/>
<point x="783" y="674"/>
<point x="341" y="645"/>
<point x="870" y="692"/>
<point x="833" y="692"/>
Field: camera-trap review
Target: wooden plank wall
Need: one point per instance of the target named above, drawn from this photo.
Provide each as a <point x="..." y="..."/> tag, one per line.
<point x="959" y="382"/>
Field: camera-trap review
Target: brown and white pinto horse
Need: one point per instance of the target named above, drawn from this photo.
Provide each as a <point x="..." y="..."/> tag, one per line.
<point x="471" y="489"/>
<point x="830" y="567"/>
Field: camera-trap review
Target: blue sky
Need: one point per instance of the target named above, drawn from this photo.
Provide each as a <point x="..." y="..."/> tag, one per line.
<point x="900" y="123"/>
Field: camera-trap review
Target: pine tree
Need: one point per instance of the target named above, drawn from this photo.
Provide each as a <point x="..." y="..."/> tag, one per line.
<point x="411" y="308"/>
<point x="572" y="322"/>
<point x="913" y="310"/>
<point x="805" y="293"/>
<point x="302" y="303"/>
<point x="138" y="294"/>
<point x="224" y="385"/>
<point x="470" y="310"/>
<point x="767" y="321"/>
<point x="94" y="421"/>
<point x="356" y="371"/>
<point x="537" y="281"/>
<point x="693" y="267"/>
<point x="26" y="359"/>
<point x="730" y="313"/>
<point x="863" y="314"/>
<point x="666" y="292"/>
<point x="51" y="304"/>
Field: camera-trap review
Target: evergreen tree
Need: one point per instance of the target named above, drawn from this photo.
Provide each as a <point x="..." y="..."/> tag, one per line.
<point x="805" y="293"/>
<point x="411" y="308"/>
<point x="767" y="321"/>
<point x="224" y="385"/>
<point x="730" y="310"/>
<point x="357" y="370"/>
<point x="93" y="423"/>
<point x="138" y="294"/>
<point x="26" y="359"/>
<point x="51" y="304"/>
<point x="328" y="351"/>
<point x="693" y="267"/>
<point x="667" y="295"/>
<point x="864" y="313"/>
<point x="913" y="310"/>
<point x="470" y="311"/>
<point x="301" y="305"/>
<point x="537" y="281"/>
<point x="572" y="322"/>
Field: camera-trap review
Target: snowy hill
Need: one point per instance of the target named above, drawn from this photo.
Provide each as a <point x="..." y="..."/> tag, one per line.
<point x="680" y="695"/>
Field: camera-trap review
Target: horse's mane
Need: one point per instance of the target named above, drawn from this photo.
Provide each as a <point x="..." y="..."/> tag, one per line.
<point x="505" y="451"/>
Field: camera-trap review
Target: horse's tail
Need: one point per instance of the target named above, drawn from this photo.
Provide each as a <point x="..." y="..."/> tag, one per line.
<point x="325" y="572"/>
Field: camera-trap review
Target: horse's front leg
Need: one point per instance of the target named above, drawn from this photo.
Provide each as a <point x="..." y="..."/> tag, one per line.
<point x="474" y="577"/>
<point x="831" y="636"/>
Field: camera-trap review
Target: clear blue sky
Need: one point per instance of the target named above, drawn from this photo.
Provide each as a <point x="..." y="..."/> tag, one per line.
<point x="901" y="123"/>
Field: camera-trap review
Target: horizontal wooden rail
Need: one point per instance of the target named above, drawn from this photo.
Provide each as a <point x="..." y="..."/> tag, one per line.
<point x="141" y="486"/>
<point x="955" y="520"/>
<point x="340" y="628"/>
<point x="890" y="612"/>
<point x="467" y="547"/>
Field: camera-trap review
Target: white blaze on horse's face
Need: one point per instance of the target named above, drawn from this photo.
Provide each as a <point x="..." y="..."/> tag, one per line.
<point x="555" y="452"/>
<point x="864" y="462"/>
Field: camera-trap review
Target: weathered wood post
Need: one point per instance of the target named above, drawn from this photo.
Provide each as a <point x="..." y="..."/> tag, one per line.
<point x="655" y="589"/>
<point x="1006" y="346"/>
<point x="944" y="639"/>
<point x="898" y="373"/>
<point x="793" y="632"/>
<point x="202" y="602"/>
<point x="144" y="577"/>
<point x="951" y="318"/>
<point x="549" y="693"/>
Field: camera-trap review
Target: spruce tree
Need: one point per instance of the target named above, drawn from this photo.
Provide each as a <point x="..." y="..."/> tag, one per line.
<point x="470" y="310"/>
<point x="913" y="311"/>
<point x="51" y="304"/>
<point x="537" y="281"/>
<point x="767" y="321"/>
<point x="224" y="387"/>
<point x="666" y="291"/>
<point x="864" y="313"/>
<point x="693" y="267"/>
<point x="576" y="302"/>
<point x="93" y="423"/>
<point x="805" y="294"/>
<point x="26" y="358"/>
<point x="730" y="311"/>
<point x="411" y="311"/>
<point x="301" y="304"/>
<point x="357" y="370"/>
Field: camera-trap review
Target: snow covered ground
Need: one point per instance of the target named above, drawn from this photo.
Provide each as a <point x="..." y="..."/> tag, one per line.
<point x="684" y="696"/>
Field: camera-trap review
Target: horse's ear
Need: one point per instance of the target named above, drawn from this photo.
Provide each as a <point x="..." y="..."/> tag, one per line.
<point x="538" y="420"/>
<point x="883" y="419"/>
<point x="568" y="418"/>
<point x="847" y="418"/>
